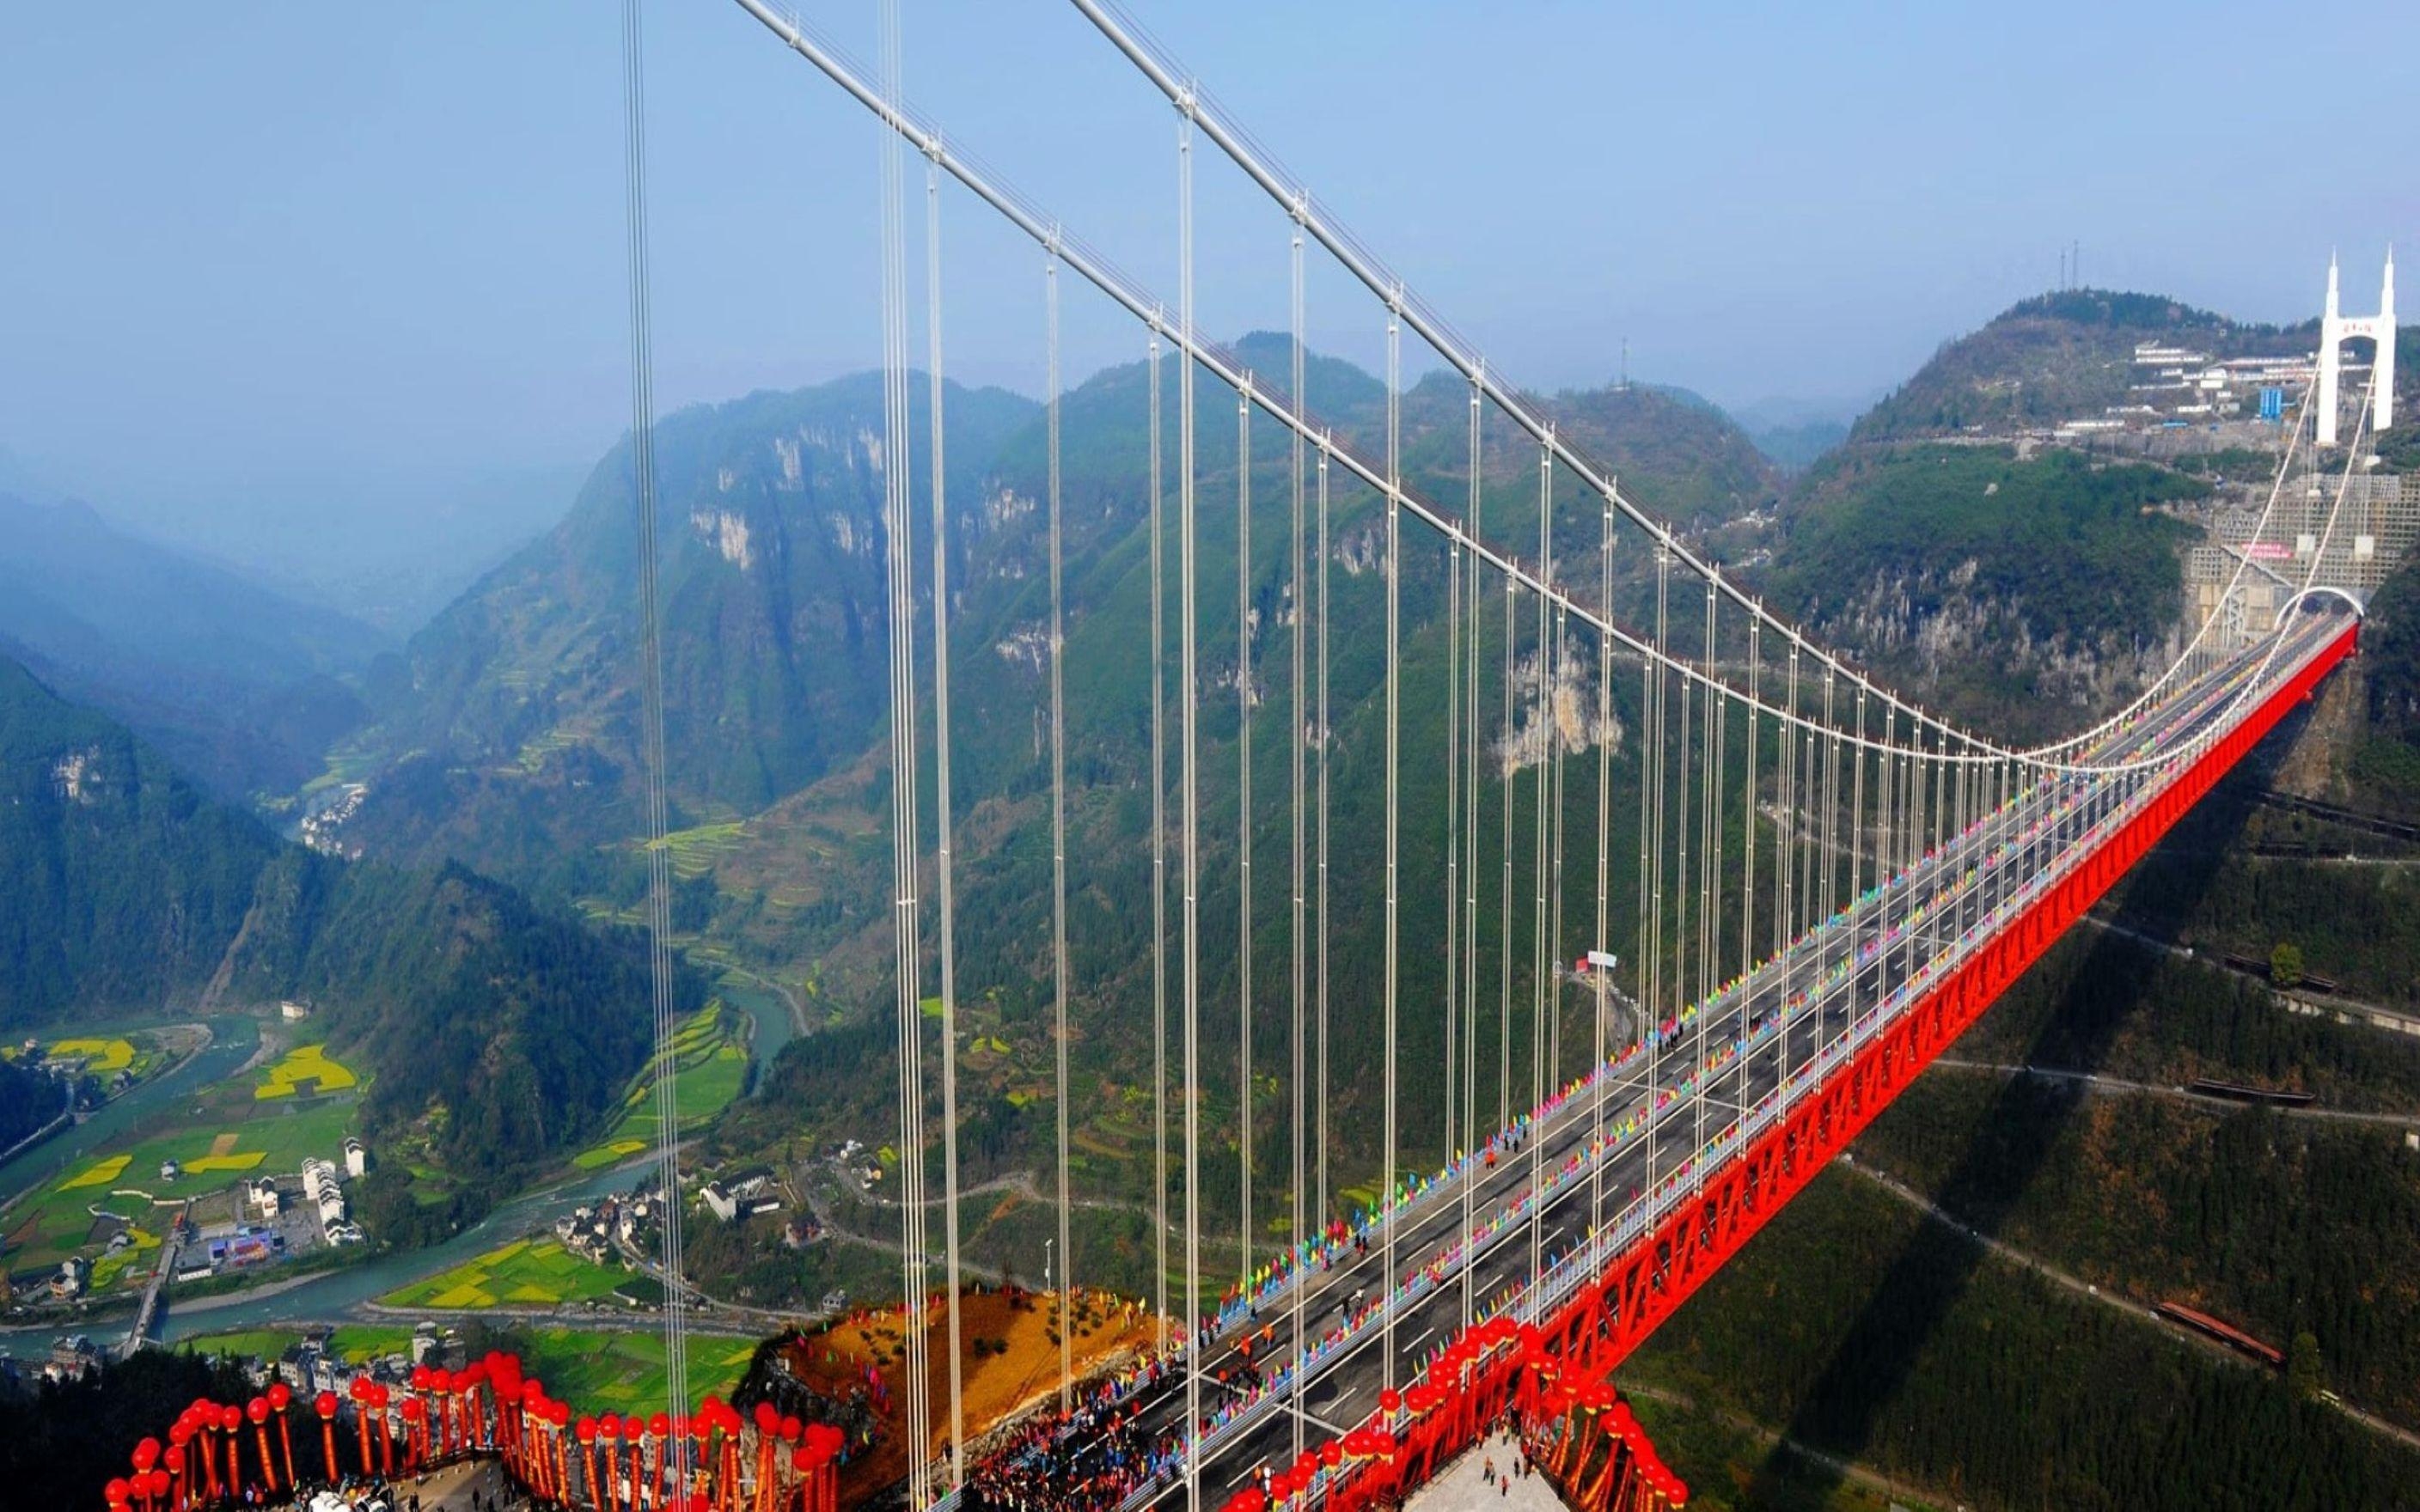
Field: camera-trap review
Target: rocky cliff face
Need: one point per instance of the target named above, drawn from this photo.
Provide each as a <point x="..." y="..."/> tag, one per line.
<point x="1939" y="628"/>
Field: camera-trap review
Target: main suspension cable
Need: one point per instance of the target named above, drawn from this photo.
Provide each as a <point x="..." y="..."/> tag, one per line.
<point x="1021" y="213"/>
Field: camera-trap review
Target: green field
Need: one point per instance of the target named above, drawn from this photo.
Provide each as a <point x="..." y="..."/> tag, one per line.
<point x="694" y="850"/>
<point x="527" y="1273"/>
<point x="713" y="1068"/>
<point x="627" y="1370"/>
<point x="589" y="1369"/>
<point x="220" y="1142"/>
<point x="355" y="1343"/>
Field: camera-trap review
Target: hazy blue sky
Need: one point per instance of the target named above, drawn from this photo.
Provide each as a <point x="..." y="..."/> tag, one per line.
<point x="276" y="272"/>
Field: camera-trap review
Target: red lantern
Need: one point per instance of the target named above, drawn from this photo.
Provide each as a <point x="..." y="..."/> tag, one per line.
<point x="416" y="1432"/>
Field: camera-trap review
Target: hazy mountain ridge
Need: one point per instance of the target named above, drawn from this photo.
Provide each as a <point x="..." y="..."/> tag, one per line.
<point x="520" y="707"/>
<point x="521" y="701"/>
<point x="132" y="890"/>
<point x="237" y="683"/>
<point x="797" y="889"/>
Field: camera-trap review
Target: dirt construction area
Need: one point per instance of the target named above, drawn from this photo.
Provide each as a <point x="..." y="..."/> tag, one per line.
<point x="1010" y="1365"/>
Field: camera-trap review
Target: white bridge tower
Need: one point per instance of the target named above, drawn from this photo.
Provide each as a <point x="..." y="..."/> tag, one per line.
<point x="2335" y="330"/>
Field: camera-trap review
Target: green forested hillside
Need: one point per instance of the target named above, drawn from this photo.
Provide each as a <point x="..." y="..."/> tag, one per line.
<point x="1866" y="1331"/>
<point x="781" y="842"/>
<point x="126" y="885"/>
<point x="28" y="1100"/>
<point x="515" y="712"/>
<point x="61" y="1442"/>
<point x="2055" y="357"/>
<point x="504" y="1029"/>
<point x="512" y="1029"/>
<point x="2388" y="761"/>
<point x="2025" y="591"/>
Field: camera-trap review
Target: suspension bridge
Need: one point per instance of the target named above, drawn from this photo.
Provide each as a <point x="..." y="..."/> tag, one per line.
<point x="1740" y="893"/>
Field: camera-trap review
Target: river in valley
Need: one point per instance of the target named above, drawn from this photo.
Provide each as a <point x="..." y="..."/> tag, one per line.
<point x="330" y="1296"/>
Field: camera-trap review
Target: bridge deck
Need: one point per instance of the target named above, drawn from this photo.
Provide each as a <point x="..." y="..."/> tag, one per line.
<point x="1606" y="1161"/>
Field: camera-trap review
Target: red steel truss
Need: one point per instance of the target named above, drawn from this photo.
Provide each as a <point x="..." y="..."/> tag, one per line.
<point x="1496" y="1366"/>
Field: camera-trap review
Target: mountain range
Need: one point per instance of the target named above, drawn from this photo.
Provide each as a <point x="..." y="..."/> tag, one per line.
<point x="495" y="1032"/>
<point x="502" y="741"/>
<point x="240" y="686"/>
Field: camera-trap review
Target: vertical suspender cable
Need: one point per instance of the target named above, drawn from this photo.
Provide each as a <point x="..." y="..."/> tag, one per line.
<point x="1940" y="788"/>
<point x="1554" y="860"/>
<point x="1857" y="809"/>
<point x="1244" y="825"/>
<point x="900" y="531"/>
<point x="1320" y="1207"/>
<point x="1540" y="967"/>
<point x="1295" y="932"/>
<point x="1748" y="801"/>
<point x="1655" y="789"/>
<point x="1601" y="973"/>
<point x="1509" y="762"/>
<point x="1831" y="802"/>
<point x="1158" y="880"/>
<point x="1711" y="906"/>
<point x="1683" y="940"/>
<point x="1469" y="694"/>
<point x="1810" y="844"/>
<point x="941" y="819"/>
<point x="1452" y="834"/>
<point x="1394" y="783"/>
<point x="1685" y="750"/>
<point x="1785" y="832"/>
<point x="1059" y="836"/>
<point x="1659" y="787"/>
<point x="659" y="964"/>
<point x="1885" y="818"/>
<point x="1196" y="1333"/>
